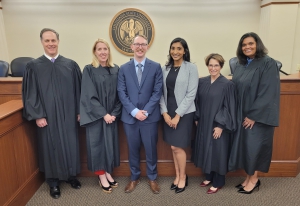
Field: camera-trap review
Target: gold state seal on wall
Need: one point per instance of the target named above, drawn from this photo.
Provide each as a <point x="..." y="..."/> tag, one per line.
<point x="126" y="25"/>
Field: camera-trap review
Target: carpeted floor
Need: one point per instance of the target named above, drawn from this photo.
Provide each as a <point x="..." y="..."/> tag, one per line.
<point x="283" y="191"/>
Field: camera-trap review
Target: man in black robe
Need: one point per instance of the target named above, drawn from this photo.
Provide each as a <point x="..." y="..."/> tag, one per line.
<point x="51" y="94"/>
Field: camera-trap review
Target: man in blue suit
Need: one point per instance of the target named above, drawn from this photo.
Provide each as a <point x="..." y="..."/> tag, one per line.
<point x="140" y="90"/>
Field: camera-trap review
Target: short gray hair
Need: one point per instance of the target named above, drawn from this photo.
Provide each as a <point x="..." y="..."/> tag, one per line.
<point x="48" y="29"/>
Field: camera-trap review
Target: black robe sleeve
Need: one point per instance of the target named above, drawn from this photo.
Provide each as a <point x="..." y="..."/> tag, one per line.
<point x="33" y="105"/>
<point x="265" y="108"/>
<point x="77" y="83"/>
<point x="118" y="106"/>
<point x="197" y="112"/>
<point x="226" y="116"/>
<point x="117" y="109"/>
<point x="90" y="107"/>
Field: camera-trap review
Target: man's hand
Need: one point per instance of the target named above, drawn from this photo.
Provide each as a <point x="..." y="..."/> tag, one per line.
<point x="42" y="122"/>
<point x="141" y="115"/>
<point x="78" y="117"/>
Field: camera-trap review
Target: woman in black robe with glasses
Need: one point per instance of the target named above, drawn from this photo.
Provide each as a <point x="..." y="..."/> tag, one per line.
<point x="216" y="120"/>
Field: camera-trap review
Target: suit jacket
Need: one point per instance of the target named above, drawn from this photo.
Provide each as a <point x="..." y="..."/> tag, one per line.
<point x="145" y="97"/>
<point x="185" y="89"/>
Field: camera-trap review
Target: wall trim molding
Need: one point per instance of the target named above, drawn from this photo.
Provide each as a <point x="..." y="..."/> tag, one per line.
<point x="268" y="4"/>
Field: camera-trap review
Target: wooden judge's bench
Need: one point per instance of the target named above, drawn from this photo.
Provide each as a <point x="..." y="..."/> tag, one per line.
<point x="19" y="172"/>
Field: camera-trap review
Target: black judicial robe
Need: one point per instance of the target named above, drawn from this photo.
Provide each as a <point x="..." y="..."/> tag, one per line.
<point x="215" y="107"/>
<point x="99" y="97"/>
<point x="52" y="91"/>
<point x="258" y="93"/>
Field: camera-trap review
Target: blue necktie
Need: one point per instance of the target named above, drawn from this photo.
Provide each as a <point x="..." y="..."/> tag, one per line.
<point x="52" y="60"/>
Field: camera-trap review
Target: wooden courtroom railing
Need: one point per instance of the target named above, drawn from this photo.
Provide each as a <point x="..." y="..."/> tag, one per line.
<point x="10" y="88"/>
<point x="19" y="172"/>
<point x="286" y="148"/>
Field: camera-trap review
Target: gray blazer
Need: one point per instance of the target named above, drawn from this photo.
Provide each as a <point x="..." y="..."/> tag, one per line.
<point x="185" y="89"/>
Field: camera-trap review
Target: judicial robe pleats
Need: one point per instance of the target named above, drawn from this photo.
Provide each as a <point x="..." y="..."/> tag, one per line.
<point x="258" y="93"/>
<point x="215" y="103"/>
<point x="99" y="97"/>
<point x="52" y="91"/>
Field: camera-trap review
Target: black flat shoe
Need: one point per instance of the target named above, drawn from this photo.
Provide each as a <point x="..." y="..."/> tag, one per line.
<point x="178" y="189"/>
<point x="55" y="192"/>
<point x="239" y="186"/>
<point x="74" y="183"/>
<point x="249" y="192"/>
<point x="173" y="186"/>
<point x="113" y="184"/>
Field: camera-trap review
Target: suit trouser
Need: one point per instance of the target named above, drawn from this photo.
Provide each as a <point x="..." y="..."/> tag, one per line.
<point x="136" y="134"/>
<point x="216" y="179"/>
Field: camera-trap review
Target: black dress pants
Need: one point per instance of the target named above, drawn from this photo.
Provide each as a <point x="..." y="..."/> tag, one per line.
<point x="216" y="179"/>
<point x="54" y="182"/>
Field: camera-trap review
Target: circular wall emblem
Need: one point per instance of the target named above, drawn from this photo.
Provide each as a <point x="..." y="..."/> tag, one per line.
<point x="126" y="25"/>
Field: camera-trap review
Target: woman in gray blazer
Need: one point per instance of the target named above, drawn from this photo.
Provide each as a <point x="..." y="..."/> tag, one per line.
<point x="177" y="106"/>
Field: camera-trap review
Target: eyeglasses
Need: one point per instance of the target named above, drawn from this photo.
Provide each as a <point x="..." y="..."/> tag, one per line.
<point x="213" y="66"/>
<point x="138" y="45"/>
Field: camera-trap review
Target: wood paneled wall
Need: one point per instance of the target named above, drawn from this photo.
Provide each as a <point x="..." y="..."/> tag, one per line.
<point x="19" y="173"/>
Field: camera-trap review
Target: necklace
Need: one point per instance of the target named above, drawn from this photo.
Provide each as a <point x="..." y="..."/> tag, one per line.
<point x="176" y="68"/>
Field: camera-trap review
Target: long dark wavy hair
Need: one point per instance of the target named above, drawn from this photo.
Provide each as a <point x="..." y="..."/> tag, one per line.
<point x="261" y="50"/>
<point x="186" y="56"/>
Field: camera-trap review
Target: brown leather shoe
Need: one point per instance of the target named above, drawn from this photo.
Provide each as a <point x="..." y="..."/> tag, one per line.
<point x="154" y="186"/>
<point x="131" y="186"/>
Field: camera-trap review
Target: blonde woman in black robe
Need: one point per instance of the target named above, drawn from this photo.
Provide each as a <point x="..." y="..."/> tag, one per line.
<point x="99" y="110"/>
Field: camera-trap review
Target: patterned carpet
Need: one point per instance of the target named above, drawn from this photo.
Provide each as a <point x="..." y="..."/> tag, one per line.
<point x="283" y="191"/>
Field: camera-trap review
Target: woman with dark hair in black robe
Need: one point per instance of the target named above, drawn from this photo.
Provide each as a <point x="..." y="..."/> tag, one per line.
<point x="99" y="109"/>
<point x="258" y="90"/>
<point x="215" y="120"/>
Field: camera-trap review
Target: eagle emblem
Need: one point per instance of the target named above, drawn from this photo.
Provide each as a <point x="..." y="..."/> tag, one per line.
<point x="125" y="25"/>
<point x="129" y="29"/>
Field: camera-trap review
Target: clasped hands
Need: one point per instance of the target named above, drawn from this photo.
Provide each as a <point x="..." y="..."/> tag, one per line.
<point x="171" y="122"/>
<point x="141" y="115"/>
<point x="109" y="118"/>
<point x="248" y="123"/>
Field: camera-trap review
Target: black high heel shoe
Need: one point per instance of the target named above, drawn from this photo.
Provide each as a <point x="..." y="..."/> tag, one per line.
<point x="113" y="184"/>
<point x="105" y="189"/>
<point x="249" y="192"/>
<point x="173" y="186"/>
<point x="239" y="186"/>
<point x="178" y="189"/>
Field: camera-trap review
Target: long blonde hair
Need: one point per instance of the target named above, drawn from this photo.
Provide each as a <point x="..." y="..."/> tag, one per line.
<point x="95" y="61"/>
